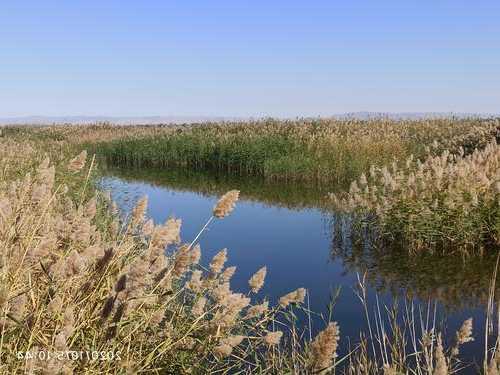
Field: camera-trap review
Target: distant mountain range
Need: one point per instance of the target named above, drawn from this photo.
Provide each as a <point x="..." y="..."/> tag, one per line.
<point x="414" y="115"/>
<point x="154" y="120"/>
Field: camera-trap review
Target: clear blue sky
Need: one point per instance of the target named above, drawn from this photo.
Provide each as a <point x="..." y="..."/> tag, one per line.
<point x="236" y="58"/>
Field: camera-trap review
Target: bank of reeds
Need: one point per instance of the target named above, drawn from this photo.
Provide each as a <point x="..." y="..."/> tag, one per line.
<point x="448" y="202"/>
<point x="314" y="151"/>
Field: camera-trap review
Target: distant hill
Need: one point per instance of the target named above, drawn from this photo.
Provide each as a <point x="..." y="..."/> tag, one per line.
<point x="154" y="120"/>
<point x="413" y="115"/>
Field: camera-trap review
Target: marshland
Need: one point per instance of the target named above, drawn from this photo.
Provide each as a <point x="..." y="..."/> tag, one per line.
<point x="269" y="246"/>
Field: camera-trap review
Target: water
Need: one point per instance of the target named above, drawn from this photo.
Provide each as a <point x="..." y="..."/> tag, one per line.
<point x="286" y="228"/>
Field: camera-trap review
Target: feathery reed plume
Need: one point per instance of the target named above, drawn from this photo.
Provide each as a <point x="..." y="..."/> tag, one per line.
<point x="157" y="317"/>
<point x="256" y="282"/>
<point x="232" y="304"/>
<point x="78" y="162"/>
<point x="60" y="341"/>
<point x="199" y="307"/>
<point x="228" y="273"/>
<point x="226" y="204"/>
<point x="55" y="305"/>
<point x="297" y="296"/>
<point x="195" y="283"/>
<point x="136" y="280"/>
<point x="182" y="260"/>
<point x="218" y="261"/>
<point x="148" y="227"/>
<point x="226" y="345"/>
<point x="257" y="310"/>
<point x="18" y="306"/>
<point x="166" y="234"/>
<point x="324" y="348"/>
<point x="441" y="367"/>
<point x="463" y="335"/>
<point x="221" y="293"/>
<point x="138" y="212"/>
<point x="195" y="254"/>
<point x="68" y="321"/>
<point x="91" y="208"/>
<point x="273" y="338"/>
<point x="233" y="340"/>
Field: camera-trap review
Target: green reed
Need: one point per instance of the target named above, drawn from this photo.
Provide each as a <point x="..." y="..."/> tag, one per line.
<point x="319" y="151"/>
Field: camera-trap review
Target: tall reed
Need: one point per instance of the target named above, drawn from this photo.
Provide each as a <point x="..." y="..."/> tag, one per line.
<point x="447" y="202"/>
<point x="315" y="151"/>
<point x="75" y="278"/>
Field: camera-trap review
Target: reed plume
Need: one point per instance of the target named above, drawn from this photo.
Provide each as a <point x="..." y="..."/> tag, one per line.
<point x="441" y="367"/>
<point x="138" y="213"/>
<point x="226" y="204"/>
<point x="463" y="336"/>
<point x="324" y="348"/>
<point x="297" y="296"/>
<point x="199" y="307"/>
<point x="228" y="273"/>
<point x="78" y="162"/>
<point x="256" y="282"/>
<point x="256" y="311"/>
<point x="218" y="261"/>
<point x="273" y="338"/>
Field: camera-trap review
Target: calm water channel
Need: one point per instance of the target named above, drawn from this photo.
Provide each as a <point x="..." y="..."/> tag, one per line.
<point x="304" y="244"/>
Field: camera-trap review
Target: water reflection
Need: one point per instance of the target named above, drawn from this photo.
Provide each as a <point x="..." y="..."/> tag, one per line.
<point x="455" y="281"/>
<point x="294" y="196"/>
<point x="304" y="244"/>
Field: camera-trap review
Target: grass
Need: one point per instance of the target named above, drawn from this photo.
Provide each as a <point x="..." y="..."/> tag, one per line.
<point x="316" y="151"/>
<point x="73" y="277"/>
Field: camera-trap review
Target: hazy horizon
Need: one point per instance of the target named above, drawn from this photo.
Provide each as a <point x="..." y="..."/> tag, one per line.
<point x="237" y="59"/>
<point x="152" y="120"/>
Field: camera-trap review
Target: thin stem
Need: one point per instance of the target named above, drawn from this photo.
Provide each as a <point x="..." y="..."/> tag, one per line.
<point x="201" y="231"/>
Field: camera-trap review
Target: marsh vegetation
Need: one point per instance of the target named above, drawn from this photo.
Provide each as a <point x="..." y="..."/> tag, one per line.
<point x="76" y="274"/>
<point x="316" y="151"/>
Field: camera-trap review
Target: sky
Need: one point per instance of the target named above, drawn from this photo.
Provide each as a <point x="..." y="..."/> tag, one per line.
<point x="248" y="58"/>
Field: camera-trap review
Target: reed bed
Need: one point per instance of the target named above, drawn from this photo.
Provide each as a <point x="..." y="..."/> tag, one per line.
<point x="313" y="151"/>
<point x="448" y="202"/>
<point x="83" y="291"/>
<point x="76" y="282"/>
